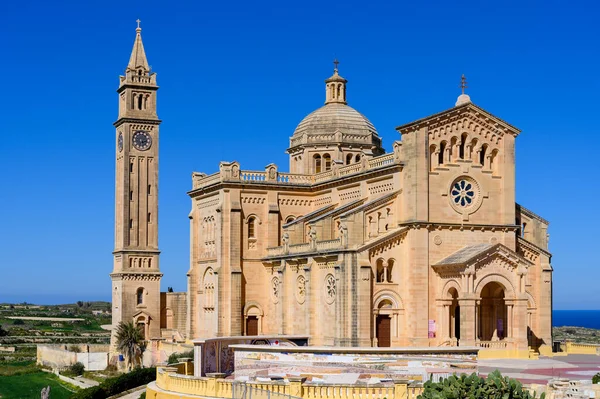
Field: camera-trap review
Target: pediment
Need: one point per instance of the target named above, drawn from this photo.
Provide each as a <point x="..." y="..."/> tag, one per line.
<point x="142" y="313"/>
<point x="463" y="116"/>
<point x="480" y="256"/>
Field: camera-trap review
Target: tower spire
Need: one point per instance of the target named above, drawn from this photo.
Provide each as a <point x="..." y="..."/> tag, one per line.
<point x="138" y="58"/>
<point x="335" y="87"/>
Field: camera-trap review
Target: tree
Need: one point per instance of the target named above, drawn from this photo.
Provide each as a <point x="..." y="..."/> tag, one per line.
<point x="80" y="304"/>
<point x="3" y="332"/>
<point x="129" y="342"/>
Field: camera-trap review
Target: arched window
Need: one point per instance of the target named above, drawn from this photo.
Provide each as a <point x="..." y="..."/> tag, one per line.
<point x="494" y="161"/>
<point x="454" y="148"/>
<point x="348" y="159"/>
<point x="339" y="91"/>
<point x="327" y="161"/>
<point x="482" y="154"/>
<point x="432" y="158"/>
<point x="441" y="154"/>
<point x="390" y="267"/>
<point x="289" y="219"/>
<point x="523" y="225"/>
<point x="463" y="142"/>
<point x="357" y="158"/>
<point x="251" y="227"/>
<point x="140" y="296"/>
<point x="140" y="99"/>
<point x="380" y="271"/>
<point x="317" y="159"/>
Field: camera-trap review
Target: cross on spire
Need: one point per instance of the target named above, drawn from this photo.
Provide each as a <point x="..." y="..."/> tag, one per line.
<point x="138" y="22"/>
<point x="336" y="63"/>
<point x="463" y="83"/>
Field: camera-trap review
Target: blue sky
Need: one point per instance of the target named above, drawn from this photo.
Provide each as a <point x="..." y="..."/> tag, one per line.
<point x="237" y="77"/>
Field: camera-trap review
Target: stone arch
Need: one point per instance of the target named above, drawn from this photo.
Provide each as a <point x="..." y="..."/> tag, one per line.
<point x="388" y="310"/>
<point x="253" y="318"/>
<point x="449" y="285"/>
<point x="388" y="295"/>
<point x="509" y="289"/>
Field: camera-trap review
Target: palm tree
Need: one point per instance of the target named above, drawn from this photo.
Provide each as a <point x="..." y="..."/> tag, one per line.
<point x="129" y="342"/>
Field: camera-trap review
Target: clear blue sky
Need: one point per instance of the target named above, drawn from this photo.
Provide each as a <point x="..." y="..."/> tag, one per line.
<point x="237" y="77"/>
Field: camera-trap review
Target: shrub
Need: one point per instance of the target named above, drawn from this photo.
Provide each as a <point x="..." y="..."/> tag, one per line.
<point x="174" y="356"/>
<point x="596" y="379"/>
<point x="74" y="348"/>
<point x="142" y="396"/>
<point x="473" y="386"/>
<point x="115" y="385"/>
<point x="18" y="322"/>
<point x="77" y="368"/>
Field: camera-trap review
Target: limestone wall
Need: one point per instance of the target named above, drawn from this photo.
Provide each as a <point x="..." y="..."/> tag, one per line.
<point x="93" y="357"/>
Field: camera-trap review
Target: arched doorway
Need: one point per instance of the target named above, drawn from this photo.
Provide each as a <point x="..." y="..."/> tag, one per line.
<point x="253" y="315"/>
<point x="493" y="313"/>
<point x="454" y="316"/>
<point x="383" y="330"/>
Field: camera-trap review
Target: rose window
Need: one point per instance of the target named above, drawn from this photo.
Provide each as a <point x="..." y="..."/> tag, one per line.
<point x="463" y="193"/>
<point x="330" y="288"/>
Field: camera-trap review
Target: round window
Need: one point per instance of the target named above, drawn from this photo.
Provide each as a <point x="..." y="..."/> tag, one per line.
<point x="463" y="193"/>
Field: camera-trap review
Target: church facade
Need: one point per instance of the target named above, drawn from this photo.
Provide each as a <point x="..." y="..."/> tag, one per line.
<point x="421" y="246"/>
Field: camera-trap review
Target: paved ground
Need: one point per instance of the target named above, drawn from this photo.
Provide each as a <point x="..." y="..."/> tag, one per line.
<point x="573" y="367"/>
<point x="135" y="394"/>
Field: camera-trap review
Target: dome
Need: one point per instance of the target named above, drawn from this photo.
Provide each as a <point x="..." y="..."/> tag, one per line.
<point x="332" y="117"/>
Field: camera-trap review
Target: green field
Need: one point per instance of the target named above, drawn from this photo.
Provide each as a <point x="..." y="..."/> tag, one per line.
<point x="23" y="380"/>
<point x="30" y="385"/>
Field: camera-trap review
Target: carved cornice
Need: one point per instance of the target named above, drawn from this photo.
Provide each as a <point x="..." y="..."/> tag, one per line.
<point x="136" y="276"/>
<point x="534" y="249"/>
<point x="524" y="211"/>
<point x="470" y="111"/>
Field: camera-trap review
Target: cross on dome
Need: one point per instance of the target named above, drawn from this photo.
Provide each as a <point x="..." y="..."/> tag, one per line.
<point x="463" y="98"/>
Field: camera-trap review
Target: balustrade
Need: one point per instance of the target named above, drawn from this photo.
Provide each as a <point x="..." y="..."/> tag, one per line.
<point x="217" y="387"/>
<point x="291" y="178"/>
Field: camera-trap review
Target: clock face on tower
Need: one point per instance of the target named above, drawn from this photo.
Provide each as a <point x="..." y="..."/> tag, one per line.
<point x="120" y="142"/>
<point x="142" y="140"/>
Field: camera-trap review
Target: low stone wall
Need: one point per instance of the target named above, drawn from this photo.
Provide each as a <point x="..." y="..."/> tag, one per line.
<point x="93" y="357"/>
<point x="574" y="348"/>
<point x="352" y="365"/>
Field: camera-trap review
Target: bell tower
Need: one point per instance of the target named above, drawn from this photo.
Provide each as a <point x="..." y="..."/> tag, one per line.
<point x="136" y="274"/>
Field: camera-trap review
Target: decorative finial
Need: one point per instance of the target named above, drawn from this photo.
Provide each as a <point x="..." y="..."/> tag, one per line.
<point x="463" y="83"/>
<point x="138" y="27"/>
<point x="463" y="98"/>
<point x="336" y="63"/>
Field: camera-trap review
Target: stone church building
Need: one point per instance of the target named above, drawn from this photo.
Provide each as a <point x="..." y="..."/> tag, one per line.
<point x="421" y="246"/>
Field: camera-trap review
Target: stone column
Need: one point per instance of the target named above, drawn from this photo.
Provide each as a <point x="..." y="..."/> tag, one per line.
<point x="467" y="320"/>
<point x="520" y="323"/>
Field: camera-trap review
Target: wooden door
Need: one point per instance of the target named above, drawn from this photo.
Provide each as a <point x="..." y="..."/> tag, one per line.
<point x="252" y="325"/>
<point x="384" y="331"/>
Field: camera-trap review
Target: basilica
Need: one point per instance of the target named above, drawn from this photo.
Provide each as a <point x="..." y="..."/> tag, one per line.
<point x="421" y="246"/>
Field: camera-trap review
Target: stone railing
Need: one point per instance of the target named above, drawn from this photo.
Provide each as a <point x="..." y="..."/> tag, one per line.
<point x="574" y="348"/>
<point x="298" y="248"/>
<point x="247" y="175"/>
<point x="350" y="169"/>
<point x="325" y="245"/>
<point x="384" y="160"/>
<point x="492" y="344"/>
<point x="169" y="384"/>
<point x="291" y="178"/>
<point x="329" y="244"/>
<point x="230" y="172"/>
